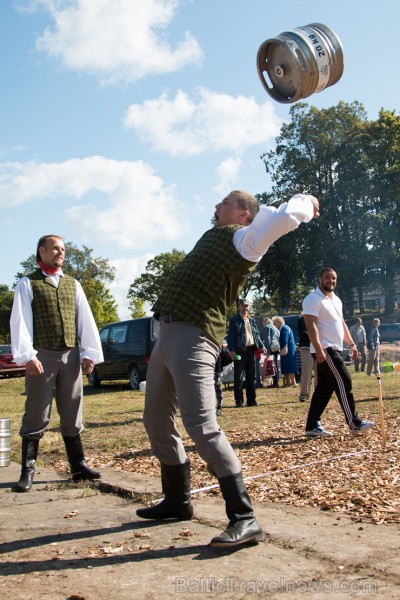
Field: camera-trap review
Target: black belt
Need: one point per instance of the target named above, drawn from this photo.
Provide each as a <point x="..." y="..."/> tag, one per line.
<point x="169" y="318"/>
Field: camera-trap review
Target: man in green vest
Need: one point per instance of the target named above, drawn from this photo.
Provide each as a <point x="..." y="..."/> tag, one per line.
<point x="192" y="310"/>
<point x="53" y="332"/>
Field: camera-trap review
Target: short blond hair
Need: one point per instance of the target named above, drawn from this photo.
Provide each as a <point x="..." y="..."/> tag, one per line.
<point x="246" y="201"/>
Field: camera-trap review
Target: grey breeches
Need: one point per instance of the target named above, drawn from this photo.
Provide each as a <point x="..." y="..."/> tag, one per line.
<point x="62" y="375"/>
<point x="181" y="376"/>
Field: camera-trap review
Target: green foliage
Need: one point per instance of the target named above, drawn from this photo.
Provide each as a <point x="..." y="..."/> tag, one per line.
<point x="148" y="286"/>
<point x="101" y="302"/>
<point x="136" y="306"/>
<point x="352" y="166"/>
<point x="6" y="300"/>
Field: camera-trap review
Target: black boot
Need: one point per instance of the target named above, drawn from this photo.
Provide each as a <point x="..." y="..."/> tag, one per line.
<point x="243" y="527"/>
<point x="29" y="454"/>
<point x="80" y="470"/>
<point x="177" y="503"/>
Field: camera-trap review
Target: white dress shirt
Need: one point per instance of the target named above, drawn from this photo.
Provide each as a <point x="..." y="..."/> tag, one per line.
<point x="271" y="223"/>
<point x="21" y="323"/>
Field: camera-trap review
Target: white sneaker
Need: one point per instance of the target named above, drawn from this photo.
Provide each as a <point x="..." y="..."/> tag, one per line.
<point x="318" y="431"/>
<point x="363" y="426"/>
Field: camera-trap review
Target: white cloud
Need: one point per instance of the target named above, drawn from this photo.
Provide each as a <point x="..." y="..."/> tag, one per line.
<point x="126" y="270"/>
<point x="210" y="121"/>
<point x="135" y="207"/>
<point x="116" y="40"/>
<point x="227" y="173"/>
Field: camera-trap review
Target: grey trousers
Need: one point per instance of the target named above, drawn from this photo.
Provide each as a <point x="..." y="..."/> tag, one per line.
<point x="62" y="374"/>
<point x="308" y="365"/>
<point x="181" y="376"/>
<point x="373" y="360"/>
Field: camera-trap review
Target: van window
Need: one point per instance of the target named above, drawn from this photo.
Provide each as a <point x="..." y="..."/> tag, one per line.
<point x="155" y="329"/>
<point x="118" y="334"/>
<point x="104" y="335"/>
<point x="137" y="331"/>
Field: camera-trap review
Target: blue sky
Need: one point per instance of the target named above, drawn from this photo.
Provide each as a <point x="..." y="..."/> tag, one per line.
<point x="123" y="123"/>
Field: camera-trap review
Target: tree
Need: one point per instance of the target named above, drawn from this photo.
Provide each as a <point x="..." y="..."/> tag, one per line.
<point x="136" y="306"/>
<point x="103" y="305"/>
<point x="384" y="235"/>
<point x="6" y="300"/>
<point x="148" y="286"/>
<point x="92" y="274"/>
<point x="322" y="152"/>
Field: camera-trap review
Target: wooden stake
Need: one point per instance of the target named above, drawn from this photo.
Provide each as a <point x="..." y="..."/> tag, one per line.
<point x="381" y="410"/>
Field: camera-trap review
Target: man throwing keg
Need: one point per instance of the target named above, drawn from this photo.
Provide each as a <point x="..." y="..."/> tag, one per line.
<point x="53" y="332"/>
<point x="192" y="310"/>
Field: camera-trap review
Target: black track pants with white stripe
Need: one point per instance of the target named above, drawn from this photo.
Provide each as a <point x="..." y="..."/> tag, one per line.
<point x="332" y="376"/>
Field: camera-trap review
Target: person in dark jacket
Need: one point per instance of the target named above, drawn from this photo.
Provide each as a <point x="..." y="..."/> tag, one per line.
<point x="243" y="339"/>
<point x="271" y="339"/>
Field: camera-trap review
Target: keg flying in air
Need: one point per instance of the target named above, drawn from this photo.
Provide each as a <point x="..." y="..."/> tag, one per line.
<point x="297" y="63"/>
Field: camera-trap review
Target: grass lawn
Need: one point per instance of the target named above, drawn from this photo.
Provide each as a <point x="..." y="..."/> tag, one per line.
<point x="348" y="473"/>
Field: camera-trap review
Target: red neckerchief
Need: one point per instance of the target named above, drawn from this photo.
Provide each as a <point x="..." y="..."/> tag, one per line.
<point x="48" y="270"/>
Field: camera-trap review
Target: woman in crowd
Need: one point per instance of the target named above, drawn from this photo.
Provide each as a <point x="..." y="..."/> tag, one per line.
<point x="373" y="343"/>
<point x="289" y="368"/>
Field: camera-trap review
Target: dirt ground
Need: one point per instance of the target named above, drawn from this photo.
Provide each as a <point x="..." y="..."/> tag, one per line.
<point x="64" y="541"/>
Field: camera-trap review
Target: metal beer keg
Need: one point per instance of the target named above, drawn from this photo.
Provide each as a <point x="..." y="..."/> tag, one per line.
<point x="5" y="442"/>
<point x="297" y="63"/>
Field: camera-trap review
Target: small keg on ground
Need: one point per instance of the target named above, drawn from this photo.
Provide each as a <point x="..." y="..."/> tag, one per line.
<point x="5" y="442"/>
<point x="300" y="62"/>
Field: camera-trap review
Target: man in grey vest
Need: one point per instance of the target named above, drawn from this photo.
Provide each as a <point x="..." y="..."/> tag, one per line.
<point x="192" y="310"/>
<point x="53" y="332"/>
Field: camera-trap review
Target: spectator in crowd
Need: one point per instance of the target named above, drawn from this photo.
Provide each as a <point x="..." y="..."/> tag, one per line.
<point x="243" y="340"/>
<point x="271" y="341"/>
<point x="288" y="352"/>
<point x="224" y="359"/>
<point x="307" y="361"/>
<point x="373" y="346"/>
<point x="257" y="358"/>
<point x="357" y="332"/>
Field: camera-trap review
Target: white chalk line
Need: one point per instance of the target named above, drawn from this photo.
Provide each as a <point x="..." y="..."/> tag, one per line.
<point x="268" y="473"/>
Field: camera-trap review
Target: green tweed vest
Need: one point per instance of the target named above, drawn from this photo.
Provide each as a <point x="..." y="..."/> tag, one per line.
<point x="53" y="312"/>
<point x="202" y="288"/>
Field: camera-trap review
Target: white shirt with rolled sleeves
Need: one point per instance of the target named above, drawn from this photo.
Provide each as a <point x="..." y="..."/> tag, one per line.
<point x="271" y="223"/>
<point x="329" y="312"/>
<point x="21" y="323"/>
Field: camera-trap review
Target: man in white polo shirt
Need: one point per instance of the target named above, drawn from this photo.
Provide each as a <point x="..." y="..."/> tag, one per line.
<point x="327" y="330"/>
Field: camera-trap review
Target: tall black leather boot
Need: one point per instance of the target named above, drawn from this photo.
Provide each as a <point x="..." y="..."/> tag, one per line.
<point x="177" y="503"/>
<point x="29" y="455"/>
<point x="80" y="470"/>
<point x="243" y="527"/>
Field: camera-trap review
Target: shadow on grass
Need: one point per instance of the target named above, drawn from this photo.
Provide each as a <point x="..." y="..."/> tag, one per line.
<point x="110" y="387"/>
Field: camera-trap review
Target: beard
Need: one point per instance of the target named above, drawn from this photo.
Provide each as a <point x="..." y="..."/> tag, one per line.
<point x="328" y="287"/>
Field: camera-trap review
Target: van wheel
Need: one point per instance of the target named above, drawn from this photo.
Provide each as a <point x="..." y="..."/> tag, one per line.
<point x="93" y="380"/>
<point x="134" y="379"/>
